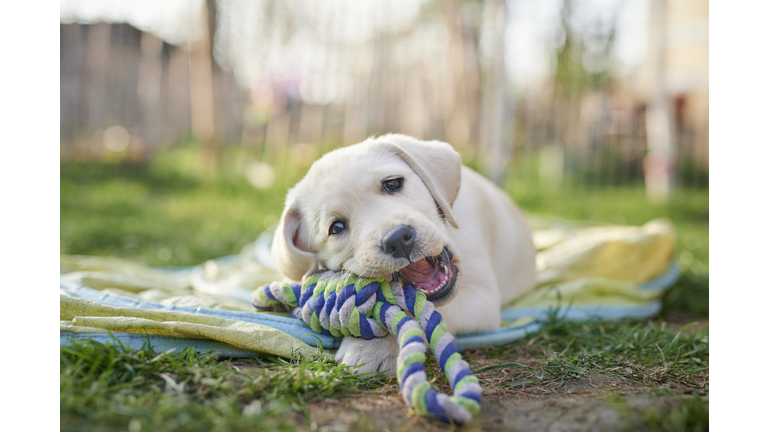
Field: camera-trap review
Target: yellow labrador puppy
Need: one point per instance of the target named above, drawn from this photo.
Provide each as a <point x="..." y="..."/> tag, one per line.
<point x="397" y="204"/>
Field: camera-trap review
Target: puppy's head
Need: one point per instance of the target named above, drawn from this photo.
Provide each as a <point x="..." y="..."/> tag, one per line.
<point x="373" y="209"/>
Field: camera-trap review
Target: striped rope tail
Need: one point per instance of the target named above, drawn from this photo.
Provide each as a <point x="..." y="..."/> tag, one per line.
<point x="341" y="304"/>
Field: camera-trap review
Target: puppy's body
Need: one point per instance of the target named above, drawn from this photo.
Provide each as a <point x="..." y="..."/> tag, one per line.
<point x="455" y="234"/>
<point x="498" y="253"/>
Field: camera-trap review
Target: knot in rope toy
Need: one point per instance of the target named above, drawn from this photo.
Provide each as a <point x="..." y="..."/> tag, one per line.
<point x="342" y="304"/>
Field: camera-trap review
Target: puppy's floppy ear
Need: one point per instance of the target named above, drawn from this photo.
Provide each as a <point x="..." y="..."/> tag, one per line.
<point x="290" y="247"/>
<point x="438" y="165"/>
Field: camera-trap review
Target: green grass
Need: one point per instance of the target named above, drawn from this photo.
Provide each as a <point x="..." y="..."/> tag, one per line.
<point x="107" y="387"/>
<point x="166" y="214"/>
<point x="162" y="214"/>
<point x="691" y="415"/>
<point x="642" y="352"/>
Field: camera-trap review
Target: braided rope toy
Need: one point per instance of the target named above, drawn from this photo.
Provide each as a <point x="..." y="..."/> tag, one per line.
<point x="342" y="304"/>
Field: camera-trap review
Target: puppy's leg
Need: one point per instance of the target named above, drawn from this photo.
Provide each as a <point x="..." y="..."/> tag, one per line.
<point x="378" y="354"/>
<point x="476" y="306"/>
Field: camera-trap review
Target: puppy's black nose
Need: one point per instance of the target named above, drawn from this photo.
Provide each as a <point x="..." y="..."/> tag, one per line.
<point x="399" y="242"/>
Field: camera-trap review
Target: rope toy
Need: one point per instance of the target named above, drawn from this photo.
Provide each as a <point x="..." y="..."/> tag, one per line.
<point x="342" y="304"/>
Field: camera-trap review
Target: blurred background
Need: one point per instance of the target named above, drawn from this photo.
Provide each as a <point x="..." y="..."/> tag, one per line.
<point x="184" y="123"/>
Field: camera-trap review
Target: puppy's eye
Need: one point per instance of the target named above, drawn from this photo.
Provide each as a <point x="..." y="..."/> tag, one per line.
<point x="393" y="184"/>
<point x="337" y="227"/>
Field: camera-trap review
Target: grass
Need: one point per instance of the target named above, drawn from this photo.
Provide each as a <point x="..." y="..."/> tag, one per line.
<point x="162" y="214"/>
<point x="643" y="352"/>
<point x="692" y="415"/>
<point x="107" y="387"/>
<point x="166" y="214"/>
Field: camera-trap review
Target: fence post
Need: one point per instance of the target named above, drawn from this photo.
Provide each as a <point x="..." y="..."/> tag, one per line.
<point x="658" y="166"/>
<point x="201" y="91"/>
<point x="497" y="121"/>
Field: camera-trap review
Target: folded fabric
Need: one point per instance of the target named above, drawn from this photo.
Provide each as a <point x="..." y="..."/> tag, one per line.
<point x="588" y="298"/>
<point x="118" y="307"/>
<point x="609" y="271"/>
<point x="624" y="254"/>
<point x="584" y="271"/>
<point x="121" y="305"/>
<point x="80" y="316"/>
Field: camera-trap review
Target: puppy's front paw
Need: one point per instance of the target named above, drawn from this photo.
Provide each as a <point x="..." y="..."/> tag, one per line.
<point x="375" y="355"/>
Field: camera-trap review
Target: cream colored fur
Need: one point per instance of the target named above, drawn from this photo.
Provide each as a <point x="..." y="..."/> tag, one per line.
<point x="445" y="203"/>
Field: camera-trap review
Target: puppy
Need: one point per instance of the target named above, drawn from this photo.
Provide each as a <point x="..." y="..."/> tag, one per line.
<point x="397" y="204"/>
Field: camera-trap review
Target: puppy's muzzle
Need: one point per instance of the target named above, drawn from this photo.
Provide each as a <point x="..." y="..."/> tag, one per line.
<point x="399" y="242"/>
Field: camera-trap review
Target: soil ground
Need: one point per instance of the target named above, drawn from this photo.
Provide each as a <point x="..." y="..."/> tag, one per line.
<point x="551" y="413"/>
<point x="596" y="402"/>
<point x="592" y="403"/>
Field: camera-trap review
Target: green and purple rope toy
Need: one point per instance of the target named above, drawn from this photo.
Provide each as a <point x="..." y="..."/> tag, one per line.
<point x="342" y="304"/>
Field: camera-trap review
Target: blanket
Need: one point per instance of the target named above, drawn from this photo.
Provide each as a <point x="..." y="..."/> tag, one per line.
<point x="584" y="270"/>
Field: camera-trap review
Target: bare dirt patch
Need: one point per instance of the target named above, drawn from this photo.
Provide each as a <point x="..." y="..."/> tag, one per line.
<point x="595" y="402"/>
<point x="512" y="400"/>
<point x="520" y="395"/>
<point x="560" y="413"/>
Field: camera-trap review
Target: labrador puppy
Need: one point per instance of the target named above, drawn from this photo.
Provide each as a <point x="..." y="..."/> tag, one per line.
<point x="398" y="204"/>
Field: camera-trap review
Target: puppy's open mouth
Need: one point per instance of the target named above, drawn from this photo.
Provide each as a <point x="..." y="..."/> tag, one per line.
<point x="434" y="276"/>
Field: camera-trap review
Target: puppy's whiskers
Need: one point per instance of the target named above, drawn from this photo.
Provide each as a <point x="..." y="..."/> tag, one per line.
<point x="347" y="274"/>
<point x="363" y="269"/>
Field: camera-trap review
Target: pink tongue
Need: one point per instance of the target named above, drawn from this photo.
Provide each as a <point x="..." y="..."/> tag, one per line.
<point x="419" y="272"/>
